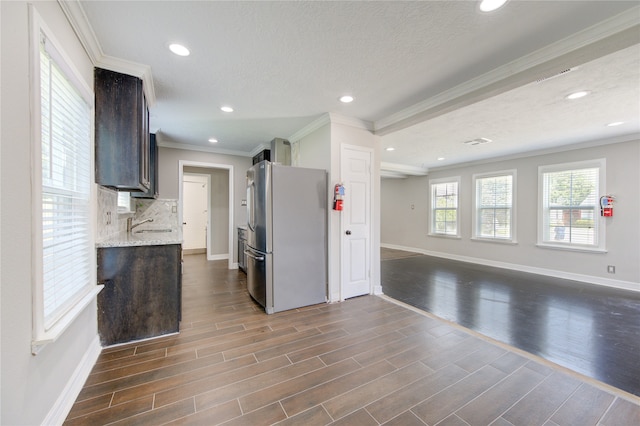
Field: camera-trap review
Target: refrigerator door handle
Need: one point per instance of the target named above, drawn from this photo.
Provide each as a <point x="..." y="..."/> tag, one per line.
<point x="250" y="254"/>
<point x="250" y="206"/>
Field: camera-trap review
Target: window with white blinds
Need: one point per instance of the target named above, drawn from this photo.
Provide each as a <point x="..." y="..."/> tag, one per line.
<point x="569" y="204"/>
<point x="65" y="170"/>
<point x="444" y="207"/>
<point x="494" y="206"/>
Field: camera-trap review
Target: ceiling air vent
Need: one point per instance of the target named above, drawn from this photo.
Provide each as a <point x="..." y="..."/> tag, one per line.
<point x="478" y="141"/>
<point x="558" y="74"/>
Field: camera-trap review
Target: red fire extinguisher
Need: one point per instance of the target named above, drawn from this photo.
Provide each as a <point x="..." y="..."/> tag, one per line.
<point x="338" y="194"/>
<point x="606" y="206"/>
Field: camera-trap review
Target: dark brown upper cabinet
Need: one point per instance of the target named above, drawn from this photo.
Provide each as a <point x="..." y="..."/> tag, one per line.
<point x="122" y="132"/>
<point x="152" y="192"/>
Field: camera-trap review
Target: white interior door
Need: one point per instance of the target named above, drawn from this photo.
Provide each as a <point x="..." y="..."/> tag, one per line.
<point x="356" y="222"/>
<point x="195" y="212"/>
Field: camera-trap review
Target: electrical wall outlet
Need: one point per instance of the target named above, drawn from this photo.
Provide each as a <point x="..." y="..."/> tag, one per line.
<point x="611" y="269"/>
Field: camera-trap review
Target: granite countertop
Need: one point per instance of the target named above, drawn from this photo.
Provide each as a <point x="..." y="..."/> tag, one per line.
<point x="145" y="237"/>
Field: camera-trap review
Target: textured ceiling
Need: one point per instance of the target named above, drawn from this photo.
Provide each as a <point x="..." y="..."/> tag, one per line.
<point x="282" y="65"/>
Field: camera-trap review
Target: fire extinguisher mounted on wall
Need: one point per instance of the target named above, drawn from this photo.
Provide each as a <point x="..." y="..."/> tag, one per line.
<point x="338" y="196"/>
<point x="606" y="205"/>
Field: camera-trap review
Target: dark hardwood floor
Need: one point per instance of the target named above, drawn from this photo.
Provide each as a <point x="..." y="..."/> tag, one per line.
<point x="365" y="361"/>
<point x="590" y="329"/>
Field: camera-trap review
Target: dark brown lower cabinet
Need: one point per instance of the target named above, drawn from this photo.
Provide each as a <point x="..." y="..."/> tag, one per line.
<point x="142" y="292"/>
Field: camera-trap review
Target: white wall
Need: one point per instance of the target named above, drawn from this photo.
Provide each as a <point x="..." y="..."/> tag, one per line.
<point x="31" y="385"/>
<point x="314" y="149"/>
<point x="168" y="160"/>
<point x="321" y="149"/>
<point x="404" y="227"/>
<point x="346" y="132"/>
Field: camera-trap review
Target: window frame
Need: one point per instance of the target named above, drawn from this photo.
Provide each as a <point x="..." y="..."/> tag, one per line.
<point x="599" y="245"/>
<point x="432" y="209"/>
<point x="475" y="213"/>
<point x="41" y="333"/>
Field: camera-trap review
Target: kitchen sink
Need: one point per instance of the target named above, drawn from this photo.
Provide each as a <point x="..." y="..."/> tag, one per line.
<point x="149" y="231"/>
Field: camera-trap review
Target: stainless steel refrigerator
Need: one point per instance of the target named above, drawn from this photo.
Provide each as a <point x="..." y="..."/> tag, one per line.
<point x="286" y="236"/>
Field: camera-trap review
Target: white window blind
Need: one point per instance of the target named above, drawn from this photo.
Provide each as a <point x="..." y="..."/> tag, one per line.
<point x="494" y="201"/>
<point x="66" y="192"/>
<point x="570" y="206"/>
<point x="444" y="208"/>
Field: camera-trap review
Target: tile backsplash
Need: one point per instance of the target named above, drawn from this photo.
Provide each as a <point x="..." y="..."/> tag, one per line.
<point x="163" y="212"/>
<point x="107" y="213"/>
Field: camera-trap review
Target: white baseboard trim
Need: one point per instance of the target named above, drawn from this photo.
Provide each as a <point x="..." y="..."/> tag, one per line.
<point x="67" y="398"/>
<point x="218" y="256"/>
<point x="624" y="285"/>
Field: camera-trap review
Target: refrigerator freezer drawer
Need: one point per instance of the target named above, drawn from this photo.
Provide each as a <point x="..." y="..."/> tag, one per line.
<point x="257" y="275"/>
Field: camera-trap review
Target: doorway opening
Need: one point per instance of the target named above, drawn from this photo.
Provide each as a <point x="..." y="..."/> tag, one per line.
<point x="196" y="213"/>
<point x="220" y="214"/>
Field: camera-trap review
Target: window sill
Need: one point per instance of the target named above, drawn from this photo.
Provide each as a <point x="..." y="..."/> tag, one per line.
<point x="45" y="337"/>
<point x="594" y="250"/>
<point x="495" y="240"/>
<point x="451" y="237"/>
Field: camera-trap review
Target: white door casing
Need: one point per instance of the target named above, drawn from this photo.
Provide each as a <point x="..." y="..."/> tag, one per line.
<point x="232" y="231"/>
<point x="195" y="219"/>
<point x="356" y="173"/>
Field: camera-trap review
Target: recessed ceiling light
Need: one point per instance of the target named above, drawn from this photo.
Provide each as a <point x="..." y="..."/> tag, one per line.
<point x="491" y="5"/>
<point x="391" y="148"/>
<point x="615" y="123"/>
<point x="213" y="140"/>
<point x="226" y="108"/>
<point x="179" y="49"/>
<point x="440" y="158"/>
<point x="346" y="99"/>
<point x="577" y="95"/>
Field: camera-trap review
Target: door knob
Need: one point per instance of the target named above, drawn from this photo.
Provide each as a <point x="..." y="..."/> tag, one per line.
<point x="348" y="232"/>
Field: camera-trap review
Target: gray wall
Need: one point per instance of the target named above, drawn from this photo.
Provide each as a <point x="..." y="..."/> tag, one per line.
<point x="169" y="158"/>
<point x="30" y="384"/>
<point x="404" y="227"/>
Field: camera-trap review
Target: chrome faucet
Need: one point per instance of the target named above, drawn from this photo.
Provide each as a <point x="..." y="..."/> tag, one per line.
<point x="130" y="224"/>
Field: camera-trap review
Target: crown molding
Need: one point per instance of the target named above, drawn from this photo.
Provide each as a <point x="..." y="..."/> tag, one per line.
<point x="350" y="121"/>
<point x="257" y="150"/>
<point x="402" y="169"/>
<point x="323" y="120"/>
<point x="388" y="174"/>
<point x="330" y="118"/>
<point x="84" y="31"/>
<point x="613" y="34"/>
<point x="187" y="147"/>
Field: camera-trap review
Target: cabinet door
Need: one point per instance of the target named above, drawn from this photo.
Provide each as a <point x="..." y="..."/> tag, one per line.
<point x="121" y="132"/>
<point x="141" y="295"/>
<point x="145" y="174"/>
<point x="152" y="192"/>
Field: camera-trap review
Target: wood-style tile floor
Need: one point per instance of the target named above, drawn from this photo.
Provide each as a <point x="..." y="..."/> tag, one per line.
<point x="591" y="329"/>
<point x="365" y="361"/>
